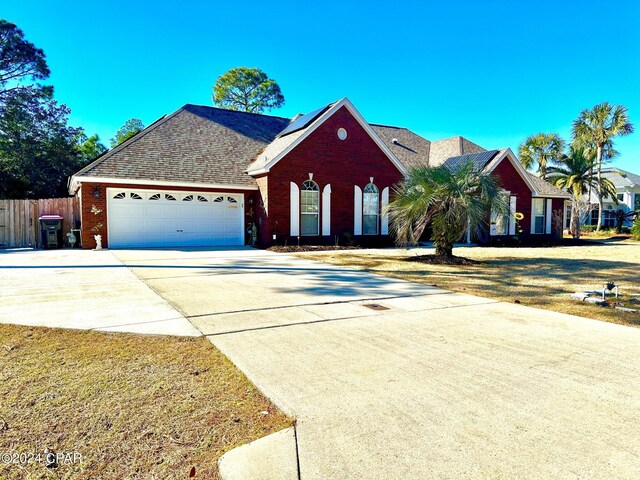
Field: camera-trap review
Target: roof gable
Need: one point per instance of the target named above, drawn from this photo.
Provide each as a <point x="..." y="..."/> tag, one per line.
<point x="198" y="144"/>
<point x="285" y="143"/>
<point x="538" y="186"/>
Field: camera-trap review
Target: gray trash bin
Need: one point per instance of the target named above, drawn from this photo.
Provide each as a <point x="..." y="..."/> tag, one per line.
<point x="51" y="230"/>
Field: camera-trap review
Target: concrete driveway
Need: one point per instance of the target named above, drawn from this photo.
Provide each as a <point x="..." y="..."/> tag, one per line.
<point x="84" y="290"/>
<point x="434" y="385"/>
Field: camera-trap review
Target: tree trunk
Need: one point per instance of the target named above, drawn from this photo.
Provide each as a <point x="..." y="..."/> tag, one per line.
<point x="444" y="250"/>
<point x="575" y="220"/>
<point x="600" y="202"/>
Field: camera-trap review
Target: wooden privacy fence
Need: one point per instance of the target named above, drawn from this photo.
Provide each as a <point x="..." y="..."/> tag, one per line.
<point x="19" y="225"/>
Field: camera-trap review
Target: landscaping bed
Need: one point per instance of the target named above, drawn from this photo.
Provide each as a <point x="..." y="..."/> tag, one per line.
<point x="439" y="260"/>
<point x="130" y="406"/>
<point x="309" y="248"/>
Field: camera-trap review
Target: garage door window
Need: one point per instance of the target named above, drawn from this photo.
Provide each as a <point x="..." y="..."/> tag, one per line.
<point x="119" y="196"/>
<point x="188" y="198"/>
<point x="202" y="199"/>
<point x="169" y="197"/>
<point x="155" y="196"/>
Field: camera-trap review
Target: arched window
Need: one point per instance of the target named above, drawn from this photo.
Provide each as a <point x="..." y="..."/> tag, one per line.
<point x="309" y="208"/>
<point x="370" y="209"/>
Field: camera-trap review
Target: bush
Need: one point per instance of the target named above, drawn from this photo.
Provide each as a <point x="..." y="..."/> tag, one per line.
<point x="588" y="228"/>
<point x="635" y="229"/>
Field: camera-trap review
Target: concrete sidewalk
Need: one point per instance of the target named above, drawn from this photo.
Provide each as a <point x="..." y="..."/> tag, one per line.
<point x="82" y="289"/>
<point x="434" y="385"/>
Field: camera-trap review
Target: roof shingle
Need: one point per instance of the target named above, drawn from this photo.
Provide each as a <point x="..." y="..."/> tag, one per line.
<point x="195" y="144"/>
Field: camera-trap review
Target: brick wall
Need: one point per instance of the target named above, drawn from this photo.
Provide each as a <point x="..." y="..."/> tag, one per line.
<point x="511" y="180"/>
<point x="341" y="163"/>
<point x="89" y="220"/>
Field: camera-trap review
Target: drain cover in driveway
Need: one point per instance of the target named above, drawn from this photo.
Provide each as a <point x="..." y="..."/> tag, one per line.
<point x="375" y="306"/>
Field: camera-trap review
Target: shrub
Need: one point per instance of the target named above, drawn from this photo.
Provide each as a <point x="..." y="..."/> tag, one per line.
<point x="635" y="229"/>
<point x="588" y="228"/>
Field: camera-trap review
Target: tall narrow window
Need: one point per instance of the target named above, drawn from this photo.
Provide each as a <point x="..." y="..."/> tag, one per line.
<point x="370" y="210"/>
<point x="500" y="221"/>
<point x="539" y="217"/>
<point x="309" y="208"/>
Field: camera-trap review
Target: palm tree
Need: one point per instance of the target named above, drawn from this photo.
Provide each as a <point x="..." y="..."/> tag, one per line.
<point x="594" y="130"/>
<point x="541" y="149"/>
<point x="451" y="200"/>
<point x="574" y="173"/>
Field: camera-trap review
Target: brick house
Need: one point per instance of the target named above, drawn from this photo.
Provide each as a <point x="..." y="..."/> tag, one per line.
<point x="205" y="176"/>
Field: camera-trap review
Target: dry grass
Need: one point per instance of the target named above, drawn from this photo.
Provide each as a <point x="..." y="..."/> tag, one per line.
<point x="538" y="277"/>
<point x="134" y="407"/>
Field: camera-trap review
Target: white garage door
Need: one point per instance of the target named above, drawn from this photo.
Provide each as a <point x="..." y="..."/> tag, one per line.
<point x="148" y="218"/>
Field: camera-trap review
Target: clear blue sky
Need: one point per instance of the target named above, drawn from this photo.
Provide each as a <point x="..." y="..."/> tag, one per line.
<point x="493" y="71"/>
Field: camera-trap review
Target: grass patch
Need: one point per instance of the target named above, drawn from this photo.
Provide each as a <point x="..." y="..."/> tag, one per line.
<point x="134" y="407"/>
<point x="537" y="277"/>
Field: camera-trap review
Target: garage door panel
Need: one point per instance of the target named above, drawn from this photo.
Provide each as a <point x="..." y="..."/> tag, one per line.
<point x="151" y="219"/>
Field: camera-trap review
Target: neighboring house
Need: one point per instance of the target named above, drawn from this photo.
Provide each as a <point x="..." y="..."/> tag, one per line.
<point x="206" y="176"/>
<point x="627" y="194"/>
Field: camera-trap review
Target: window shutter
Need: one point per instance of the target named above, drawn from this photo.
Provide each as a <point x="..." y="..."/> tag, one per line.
<point x="357" y="210"/>
<point x="533" y="217"/>
<point x="492" y="228"/>
<point x="384" y="222"/>
<point x="548" y="216"/>
<point x="512" y="211"/>
<point x="326" y="210"/>
<point x="294" y="219"/>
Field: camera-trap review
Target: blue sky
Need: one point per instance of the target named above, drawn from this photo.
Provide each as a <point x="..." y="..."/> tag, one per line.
<point x="493" y="71"/>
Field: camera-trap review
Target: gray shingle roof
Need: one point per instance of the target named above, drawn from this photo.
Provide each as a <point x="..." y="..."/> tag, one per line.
<point x="196" y="144"/>
<point x="621" y="178"/>
<point x="545" y="188"/>
<point x="200" y="144"/>
<point x="411" y="149"/>
<point x="480" y="160"/>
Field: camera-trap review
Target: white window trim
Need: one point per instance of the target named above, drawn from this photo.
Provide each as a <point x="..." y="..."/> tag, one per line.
<point x="294" y="214"/>
<point x="317" y="214"/>
<point x="384" y="221"/>
<point x="326" y="210"/>
<point x="512" y="211"/>
<point x="533" y="216"/>
<point x="492" y="227"/>
<point x="357" y="210"/>
<point x="377" y="215"/>
<point x="549" y="214"/>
